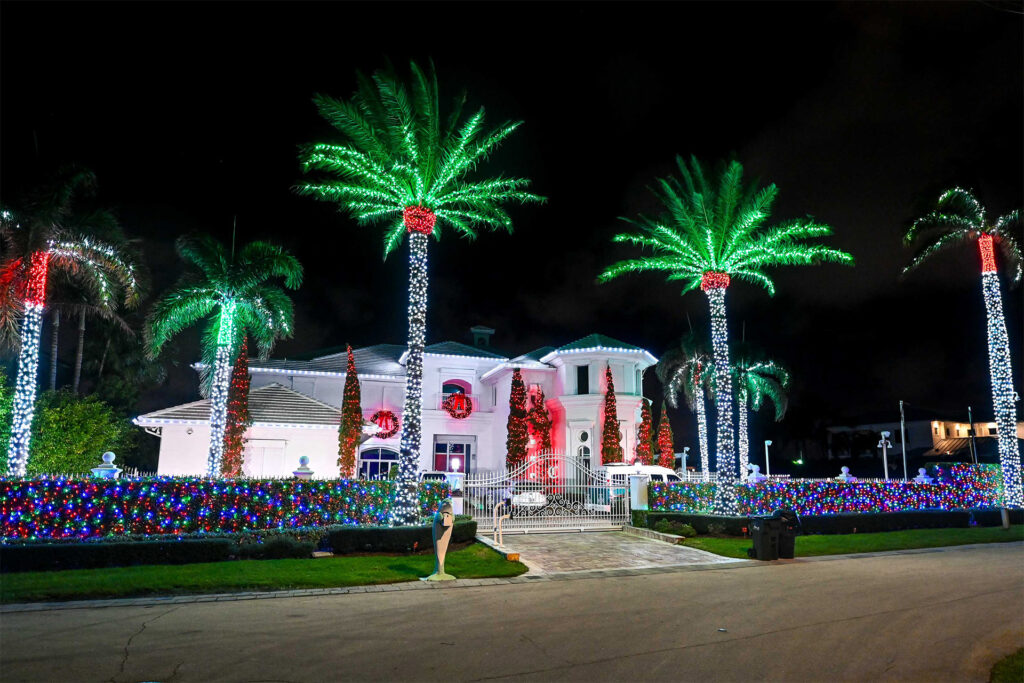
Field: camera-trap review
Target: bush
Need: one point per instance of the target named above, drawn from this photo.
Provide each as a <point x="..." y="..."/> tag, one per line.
<point x="48" y="557"/>
<point x="279" y="548"/>
<point x="847" y="523"/>
<point x="359" y="539"/>
<point x="675" y="527"/>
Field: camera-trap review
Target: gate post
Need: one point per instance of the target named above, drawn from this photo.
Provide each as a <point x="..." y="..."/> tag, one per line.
<point x="637" y="492"/>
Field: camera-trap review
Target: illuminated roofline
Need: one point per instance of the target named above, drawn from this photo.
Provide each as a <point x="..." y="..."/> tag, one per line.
<point x="159" y="422"/>
<point x="405" y="356"/>
<point x="598" y="349"/>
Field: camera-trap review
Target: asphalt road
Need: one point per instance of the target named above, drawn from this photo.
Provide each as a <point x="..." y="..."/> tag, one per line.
<point x="937" y="616"/>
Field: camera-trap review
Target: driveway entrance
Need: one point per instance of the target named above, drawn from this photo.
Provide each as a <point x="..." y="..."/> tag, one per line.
<point x="601" y="550"/>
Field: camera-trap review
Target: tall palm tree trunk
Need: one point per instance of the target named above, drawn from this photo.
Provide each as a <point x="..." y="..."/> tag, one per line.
<point x="78" y="351"/>
<point x="28" y="366"/>
<point x="54" y="342"/>
<point x="406" y="507"/>
<point x="744" y="437"/>
<point x="725" y="448"/>
<point x="103" y="360"/>
<point x="1001" y="377"/>
<point x="702" y="434"/>
<point x="222" y="366"/>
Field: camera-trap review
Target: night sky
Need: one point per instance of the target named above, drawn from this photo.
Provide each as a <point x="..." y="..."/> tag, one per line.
<point x="191" y="114"/>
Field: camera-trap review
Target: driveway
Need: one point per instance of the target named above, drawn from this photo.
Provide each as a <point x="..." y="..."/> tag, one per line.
<point x="567" y="552"/>
<point x="913" y="616"/>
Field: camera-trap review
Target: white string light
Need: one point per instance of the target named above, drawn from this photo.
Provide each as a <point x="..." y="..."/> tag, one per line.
<point x="222" y="367"/>
<point x="25" y="391"/>
<point x="725" y="453"/>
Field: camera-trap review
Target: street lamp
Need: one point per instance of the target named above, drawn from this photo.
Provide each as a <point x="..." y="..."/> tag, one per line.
<point x="884" y="444"/>
<point x="767" y="464"/>
<point x="686" y="455"/>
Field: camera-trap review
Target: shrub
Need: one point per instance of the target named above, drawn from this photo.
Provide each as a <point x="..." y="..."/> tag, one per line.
<point x="359" y="539"/>
<point x="279" y="548"/>
<point x="47" y="557"/>
<point x="687" y="530"/>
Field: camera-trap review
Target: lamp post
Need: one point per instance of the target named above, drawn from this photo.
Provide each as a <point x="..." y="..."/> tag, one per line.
<point x="767" y="463"/>
<point x="686" y="455"/>
<point x="903" y="441"/>
<point x="884" y="445"/>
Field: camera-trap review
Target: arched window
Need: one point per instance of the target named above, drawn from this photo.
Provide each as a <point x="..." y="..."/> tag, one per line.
<point x="375" y="463"/>
<point x="583" y="452"/>
<point x="452" y="386"/>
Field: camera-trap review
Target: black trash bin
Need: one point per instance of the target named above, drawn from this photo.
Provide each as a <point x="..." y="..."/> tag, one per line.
<point x="765" y="533"/>
<point x="789" y="529"/>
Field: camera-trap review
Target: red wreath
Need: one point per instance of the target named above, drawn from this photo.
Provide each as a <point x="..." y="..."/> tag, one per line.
<point x="388" y="423"/>
<point x="458" y="405"/>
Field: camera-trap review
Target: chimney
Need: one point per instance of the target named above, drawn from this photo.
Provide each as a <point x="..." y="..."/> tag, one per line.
<point x="481" y="335"/>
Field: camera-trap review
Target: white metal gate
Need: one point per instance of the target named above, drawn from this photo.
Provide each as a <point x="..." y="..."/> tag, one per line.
<point x="549" y="492"/>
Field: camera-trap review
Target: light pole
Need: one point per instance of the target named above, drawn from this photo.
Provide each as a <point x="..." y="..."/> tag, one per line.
<point x="686" y="455"/>
<point x="884" y="444"/>
<point x="903" y="440"/>
<point x="970" y="430"/>
<point x="767" y="463"/>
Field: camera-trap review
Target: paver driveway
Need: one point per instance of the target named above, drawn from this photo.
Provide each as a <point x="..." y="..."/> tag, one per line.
<point x="568" y="552"/>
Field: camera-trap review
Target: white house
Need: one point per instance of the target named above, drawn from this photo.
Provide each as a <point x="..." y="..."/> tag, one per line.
<point x="294" y="406"/>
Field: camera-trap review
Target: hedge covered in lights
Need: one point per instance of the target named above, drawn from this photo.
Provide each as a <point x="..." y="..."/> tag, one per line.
<point x="959" y="487"/>
<point x="88" y="508"/>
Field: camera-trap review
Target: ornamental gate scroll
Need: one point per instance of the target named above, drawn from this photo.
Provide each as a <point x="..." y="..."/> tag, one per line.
<point x="549" y="492"/>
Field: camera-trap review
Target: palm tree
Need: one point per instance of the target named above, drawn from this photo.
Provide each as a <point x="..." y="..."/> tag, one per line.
<point x="400" y="164"/>
<point x="757" y="381"/>
<point x="235" y="295"/>
<point x="959" y="217"/>
<point x="709" y="234"/>
<point x="687" y="367"/>
<point x="52" y="233"/>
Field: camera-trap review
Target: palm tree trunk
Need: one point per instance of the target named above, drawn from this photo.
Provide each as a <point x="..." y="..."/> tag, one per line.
<point x="78" y="351"/>
<point x="744" y="437"/>
<point x="222" y="366"/>
<point x="54" y="342"/>
<point x="725" y="445"/>
<point x="103" y="360"/>
<point x="405" y="509"/>
<point x="1001" y="377"/>
<point x="24" y="407"/>
<point x="702" y="435"/>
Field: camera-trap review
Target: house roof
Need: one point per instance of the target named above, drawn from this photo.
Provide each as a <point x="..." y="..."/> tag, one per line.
<point x="379" y="359"/>
<point x="595" y="340"/>
<point x="452" y="348"/>
<point x="270" y="404"/>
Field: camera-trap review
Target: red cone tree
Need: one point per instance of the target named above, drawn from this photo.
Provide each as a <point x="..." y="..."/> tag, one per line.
<point x="351" y="427"/>
<point x="540" y="422"/>
<point x="666" y="447"/>
<point x="645" y="435"/>
<point x="611" y="440"/>
<point x="517" y="426"/>
<point x="238" y="419"/>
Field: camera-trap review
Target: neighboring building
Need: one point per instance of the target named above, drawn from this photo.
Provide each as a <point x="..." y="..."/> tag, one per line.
<point x="954" y="438"/>
<point x="291" y="403"/>
<point x="930" y="438"/>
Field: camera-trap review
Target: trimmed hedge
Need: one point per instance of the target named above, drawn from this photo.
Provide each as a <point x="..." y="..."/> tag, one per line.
<point x="58" y="507"/>
<point x="358" y="539"/>
<point x="49" y="557"/>
<point x="860" y="522"/>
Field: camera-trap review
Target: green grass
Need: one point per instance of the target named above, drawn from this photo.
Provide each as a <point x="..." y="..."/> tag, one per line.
<point x="473" y="562"/>
<point x="844" y="544"/>
<point x="1009" y="669"/>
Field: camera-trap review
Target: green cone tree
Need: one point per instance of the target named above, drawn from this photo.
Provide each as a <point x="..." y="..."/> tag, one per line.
<point x="236" y="296"/>
<point x="957" y="218"/>
<point x="350" y="431"/>
<point x="401" y="164"/>
<point x="713" y="230"/>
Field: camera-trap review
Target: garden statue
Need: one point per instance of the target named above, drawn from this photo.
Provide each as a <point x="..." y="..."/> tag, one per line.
<point x="444" y="522"/>
<point x="755" y="476"/>
<point x="107" y="470"/>
<point x="922" y="477"/>
<point x="846" y="476"/>
<point x="304" y="471"/>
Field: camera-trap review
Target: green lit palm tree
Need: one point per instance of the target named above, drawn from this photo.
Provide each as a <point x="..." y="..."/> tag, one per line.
<point x="710" y="233"/>
<point x="237" y="295"/>
<point x="959" y="217"/>
<point x="688" y="368"/>
<point x="757" y="381"/>
<point x="53" y="232"/>
<point x="402" y="165"/>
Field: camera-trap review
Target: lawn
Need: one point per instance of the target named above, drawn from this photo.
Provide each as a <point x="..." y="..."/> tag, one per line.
<point x="1009" y="669"/>
<point x="472" y="562"/>
<point x="843" y="544"/>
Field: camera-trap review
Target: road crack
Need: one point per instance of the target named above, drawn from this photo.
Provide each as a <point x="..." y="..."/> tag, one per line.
<point x="128" y="644"/>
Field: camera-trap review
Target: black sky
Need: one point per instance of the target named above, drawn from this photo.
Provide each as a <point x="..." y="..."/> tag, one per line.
<point x="191" y="113"/>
